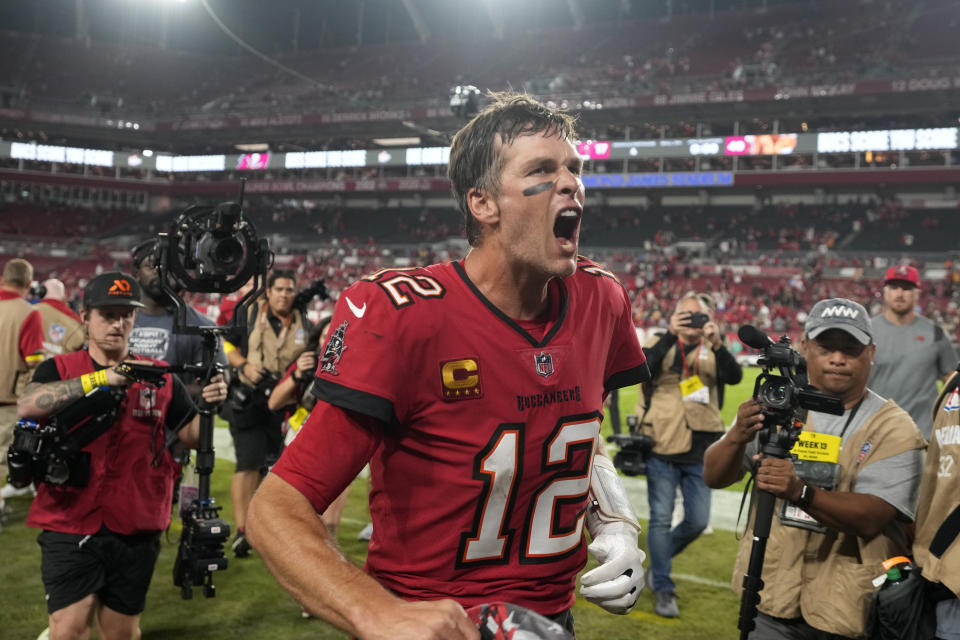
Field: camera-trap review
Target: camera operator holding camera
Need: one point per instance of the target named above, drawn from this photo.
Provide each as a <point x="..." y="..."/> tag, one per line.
<point x="845" y="496"/>
<point x="277" y="336"/>
<point x="153" y="333"/>
<point x="102" y="522"/>
<point x="680" y="409"/>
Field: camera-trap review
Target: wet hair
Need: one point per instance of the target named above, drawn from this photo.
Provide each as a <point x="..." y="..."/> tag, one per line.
<point x="476" y="153"/>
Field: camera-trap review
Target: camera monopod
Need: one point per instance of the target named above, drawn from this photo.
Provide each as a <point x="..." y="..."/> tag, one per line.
<point x="777" y="437"/>
<point x="776" y="441"/>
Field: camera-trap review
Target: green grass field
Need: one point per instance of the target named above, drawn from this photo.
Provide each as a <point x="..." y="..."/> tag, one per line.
<point x="250" y="605"/>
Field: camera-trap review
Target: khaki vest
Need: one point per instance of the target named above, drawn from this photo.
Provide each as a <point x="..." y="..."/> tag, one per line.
<point x="14" y="373"/>
<point x="939" y="496"/>
<point x="68" y="338"/>
<point x="671" y="421"/>
<point x="275" y="352"/>
<point x="827" y="577"/>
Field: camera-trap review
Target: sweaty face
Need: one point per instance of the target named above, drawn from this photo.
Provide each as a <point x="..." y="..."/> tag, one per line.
<point x="540" y="204"/>
<point x="900" y="297"/>
<point x="110" y="327"/>
<point x="837" y="363"/>
<point x="280" y="296"/>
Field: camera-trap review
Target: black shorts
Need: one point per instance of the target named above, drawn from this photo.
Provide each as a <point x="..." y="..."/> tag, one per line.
<point x="257" y="437"/>
<point x="117" y="568"/>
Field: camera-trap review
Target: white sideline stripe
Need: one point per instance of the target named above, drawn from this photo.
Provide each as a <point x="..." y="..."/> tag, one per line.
<point x="686" y="577"/>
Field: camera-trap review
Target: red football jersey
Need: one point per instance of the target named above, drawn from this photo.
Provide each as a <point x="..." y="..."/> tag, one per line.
<point x="481" y="459"/>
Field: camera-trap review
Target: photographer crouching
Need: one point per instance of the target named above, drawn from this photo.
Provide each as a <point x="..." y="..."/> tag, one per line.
<point x="277" y="336"/>
<point x="844" y="496"/>
<point x="104" y="499"/>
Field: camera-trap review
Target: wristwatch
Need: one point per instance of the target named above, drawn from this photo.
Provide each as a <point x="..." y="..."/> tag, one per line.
<point x="806" y="496"/>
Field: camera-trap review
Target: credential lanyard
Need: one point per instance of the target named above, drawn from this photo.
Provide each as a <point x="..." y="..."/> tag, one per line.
<point x="853" y="412"/>
<point x="683" y="359"/>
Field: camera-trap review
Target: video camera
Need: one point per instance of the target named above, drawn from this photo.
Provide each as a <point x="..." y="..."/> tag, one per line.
<point x="209" y="249"/>
<point x="635" y="448"/>
<point x="784" y="397"/>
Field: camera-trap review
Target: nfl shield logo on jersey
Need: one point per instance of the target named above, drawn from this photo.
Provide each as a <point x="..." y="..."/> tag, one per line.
<point x="544" y="363"/>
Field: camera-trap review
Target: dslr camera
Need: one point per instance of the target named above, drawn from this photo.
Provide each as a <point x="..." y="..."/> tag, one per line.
<point x="52" y="452"/>
<point x="243" y="397"/>
<point x="36" y="456"/>
<point x="635" y="448"/>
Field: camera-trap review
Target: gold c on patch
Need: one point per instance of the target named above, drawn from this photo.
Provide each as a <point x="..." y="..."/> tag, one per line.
<point x="460" y="379"/>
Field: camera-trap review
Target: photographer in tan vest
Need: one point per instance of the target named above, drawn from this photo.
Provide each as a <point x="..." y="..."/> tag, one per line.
<point x="936" y="547"/>
<point x="21" y="349"/>
<point x="277" y="335"/>
<point x="62" y="328"/>
<point x="834" y="525"/>
<point x="680" y="409"/>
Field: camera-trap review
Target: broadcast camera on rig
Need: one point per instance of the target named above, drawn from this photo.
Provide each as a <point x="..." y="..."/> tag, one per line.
<point x="209" y="249"/>
<point x="785" y="400"/>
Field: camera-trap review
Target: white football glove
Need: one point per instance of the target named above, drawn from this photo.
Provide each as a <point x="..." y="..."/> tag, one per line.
<point x="616" y="584"/>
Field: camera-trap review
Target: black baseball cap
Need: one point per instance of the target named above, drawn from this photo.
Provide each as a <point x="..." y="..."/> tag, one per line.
<point x="112" y="289"/>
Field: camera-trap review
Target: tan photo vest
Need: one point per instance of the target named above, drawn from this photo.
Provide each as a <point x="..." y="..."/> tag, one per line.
<point x="14" y="373"/>
<point x="671" y="421"/>
<point x="274" y="352"/>
<point x="940" y="493"/>
<point x="827" y="578"/>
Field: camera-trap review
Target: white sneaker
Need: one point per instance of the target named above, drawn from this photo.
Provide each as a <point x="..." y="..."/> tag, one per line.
<point x="366" y="532"/>
<point x="10" y="491"/>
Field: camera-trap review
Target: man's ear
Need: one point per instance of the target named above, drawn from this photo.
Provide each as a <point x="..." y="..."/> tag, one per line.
<point x="483" y="206"/>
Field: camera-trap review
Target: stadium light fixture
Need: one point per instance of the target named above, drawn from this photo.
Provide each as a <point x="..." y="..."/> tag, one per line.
<point x="396" y="142"/>
<point x="253" y="147"/>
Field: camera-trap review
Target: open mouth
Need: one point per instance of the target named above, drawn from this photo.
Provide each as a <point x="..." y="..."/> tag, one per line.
<point x="566" y="224"/>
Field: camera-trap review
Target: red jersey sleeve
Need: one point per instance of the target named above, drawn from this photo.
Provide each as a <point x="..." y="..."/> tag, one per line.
<point x="362" y="368"/>
<point x="31" y="335"/>
<point x="626" y="365"/>
<point x="344" y="440"/>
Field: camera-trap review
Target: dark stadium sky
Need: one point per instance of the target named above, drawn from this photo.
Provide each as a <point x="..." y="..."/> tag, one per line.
<point x="269" y="25"/>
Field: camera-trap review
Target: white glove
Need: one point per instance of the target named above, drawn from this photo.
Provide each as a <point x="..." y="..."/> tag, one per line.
<point x="616" y="584"/>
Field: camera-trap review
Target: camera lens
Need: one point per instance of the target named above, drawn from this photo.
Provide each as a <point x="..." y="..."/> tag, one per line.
<point x="228" y="252"/>
<point x="775" y="395"/>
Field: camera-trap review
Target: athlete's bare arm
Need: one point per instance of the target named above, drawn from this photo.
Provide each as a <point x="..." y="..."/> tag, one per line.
<point x="284" y="528"/>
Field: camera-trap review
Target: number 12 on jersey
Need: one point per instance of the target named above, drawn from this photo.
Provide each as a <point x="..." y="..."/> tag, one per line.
<point x="498" y="466"/>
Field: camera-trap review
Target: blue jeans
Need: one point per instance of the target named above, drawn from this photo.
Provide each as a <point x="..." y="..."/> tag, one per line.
<point x="663" y="542"/>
